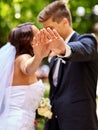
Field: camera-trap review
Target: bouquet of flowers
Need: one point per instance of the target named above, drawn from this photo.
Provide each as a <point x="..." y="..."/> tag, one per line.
<point x="44" y="108"/>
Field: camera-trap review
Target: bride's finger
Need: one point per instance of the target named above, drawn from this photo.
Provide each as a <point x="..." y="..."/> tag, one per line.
<point x="52" y="34"/>
<point x="41" y="36"/>
<point x="56" y="33"/>
<point x="35" y="42"/>
<point x="47" y="34"/>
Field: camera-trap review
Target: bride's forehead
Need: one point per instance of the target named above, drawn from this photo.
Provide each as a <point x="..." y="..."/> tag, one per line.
<point x="35" y="29"/>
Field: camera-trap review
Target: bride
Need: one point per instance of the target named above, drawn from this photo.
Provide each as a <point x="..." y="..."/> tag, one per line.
<point x="20" y="91"/>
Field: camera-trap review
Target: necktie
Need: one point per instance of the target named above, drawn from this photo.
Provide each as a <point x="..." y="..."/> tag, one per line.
<point x="56" y="70"/>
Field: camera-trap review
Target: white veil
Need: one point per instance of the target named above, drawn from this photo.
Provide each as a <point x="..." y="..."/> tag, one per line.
<point x="7" y="57"/>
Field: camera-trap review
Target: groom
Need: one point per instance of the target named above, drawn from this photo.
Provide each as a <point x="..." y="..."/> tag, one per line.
<point x="73" y="71"/>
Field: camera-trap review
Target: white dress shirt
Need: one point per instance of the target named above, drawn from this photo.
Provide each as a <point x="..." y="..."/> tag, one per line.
<point x="67" y="54"/>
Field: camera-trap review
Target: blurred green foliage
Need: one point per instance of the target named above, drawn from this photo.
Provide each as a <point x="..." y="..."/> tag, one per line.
<point x="13" y="12"/>
<point x="84" y="23"/>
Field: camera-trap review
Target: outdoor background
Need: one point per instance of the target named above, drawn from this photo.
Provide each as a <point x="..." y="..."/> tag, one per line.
<point x="14" y="12"/>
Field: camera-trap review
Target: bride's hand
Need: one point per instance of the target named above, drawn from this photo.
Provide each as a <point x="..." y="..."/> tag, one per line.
<point x="39" y="46"/>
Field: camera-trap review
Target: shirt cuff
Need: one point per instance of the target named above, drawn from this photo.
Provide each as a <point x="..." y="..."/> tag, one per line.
<point x="68" y="52"/>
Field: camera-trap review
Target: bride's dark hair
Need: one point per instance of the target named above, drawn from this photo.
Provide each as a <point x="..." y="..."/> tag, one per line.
<point x="21" y="37"/>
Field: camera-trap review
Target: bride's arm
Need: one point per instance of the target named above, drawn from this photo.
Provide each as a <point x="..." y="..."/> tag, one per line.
<point x="28" y="64"/>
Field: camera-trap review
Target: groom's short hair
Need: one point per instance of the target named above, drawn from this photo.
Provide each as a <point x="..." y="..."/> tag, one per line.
<point x="57" y="11"/>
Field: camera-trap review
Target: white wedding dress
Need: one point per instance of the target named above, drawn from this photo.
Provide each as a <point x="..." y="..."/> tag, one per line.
<point x="22" y="104"/>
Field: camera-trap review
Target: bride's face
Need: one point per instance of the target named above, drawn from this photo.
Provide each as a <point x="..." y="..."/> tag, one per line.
<point x="35" y="29"/>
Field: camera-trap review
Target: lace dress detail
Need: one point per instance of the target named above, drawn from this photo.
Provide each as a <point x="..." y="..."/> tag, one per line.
<point x="23" y="102"/>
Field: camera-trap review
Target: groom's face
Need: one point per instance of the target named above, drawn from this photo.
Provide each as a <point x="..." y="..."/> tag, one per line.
<point x="51" y="24"/>
<point x="59" y="27"/>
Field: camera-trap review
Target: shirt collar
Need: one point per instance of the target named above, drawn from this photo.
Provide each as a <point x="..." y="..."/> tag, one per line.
<point x="68" y="38"/>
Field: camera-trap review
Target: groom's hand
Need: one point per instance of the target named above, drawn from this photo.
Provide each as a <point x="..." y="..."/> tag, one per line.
<point x="55" y="42"/>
